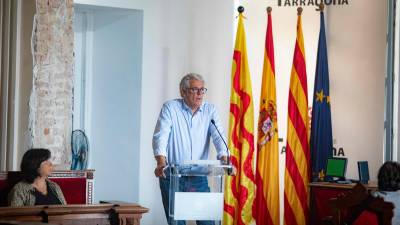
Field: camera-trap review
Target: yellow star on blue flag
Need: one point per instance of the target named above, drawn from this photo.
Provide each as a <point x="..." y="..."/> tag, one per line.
<point x="320" y="96"/>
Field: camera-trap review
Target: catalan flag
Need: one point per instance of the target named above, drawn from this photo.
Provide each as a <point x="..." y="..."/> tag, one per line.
<point x="240" y="189"/>
<point x="267" y="173"/>
<point x="321" y="125"/>
<point x="297" y="172"/>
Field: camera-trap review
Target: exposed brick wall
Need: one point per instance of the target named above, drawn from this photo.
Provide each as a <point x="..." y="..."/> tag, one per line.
<point x="50" y="115"/>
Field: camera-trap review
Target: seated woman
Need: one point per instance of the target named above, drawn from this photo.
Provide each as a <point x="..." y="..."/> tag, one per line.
<point x="35" y="188"/>
<point x="389" y="187"/>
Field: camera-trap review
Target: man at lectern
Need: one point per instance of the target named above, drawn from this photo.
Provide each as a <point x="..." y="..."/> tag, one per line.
<point x="183" y="132"/>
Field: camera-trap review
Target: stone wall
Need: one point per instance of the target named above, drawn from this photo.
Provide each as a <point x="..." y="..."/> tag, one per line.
<point x="50" y="114"/>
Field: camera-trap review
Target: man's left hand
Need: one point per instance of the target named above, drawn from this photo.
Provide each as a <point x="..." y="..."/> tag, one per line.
<point x="224" y="160"/>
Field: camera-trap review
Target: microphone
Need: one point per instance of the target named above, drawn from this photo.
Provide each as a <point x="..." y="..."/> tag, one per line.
<point x="227" y="149"/>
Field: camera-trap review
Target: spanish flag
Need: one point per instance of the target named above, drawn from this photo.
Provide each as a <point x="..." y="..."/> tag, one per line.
<point x="240" y="189"/>
<point x="267" y="173"/>
<point x="297" y="172"/>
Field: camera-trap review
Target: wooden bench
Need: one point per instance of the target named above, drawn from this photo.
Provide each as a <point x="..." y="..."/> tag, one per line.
<point x="104" y="214"/>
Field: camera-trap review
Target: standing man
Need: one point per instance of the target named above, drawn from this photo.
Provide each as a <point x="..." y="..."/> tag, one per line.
<point x="183" y="132"/>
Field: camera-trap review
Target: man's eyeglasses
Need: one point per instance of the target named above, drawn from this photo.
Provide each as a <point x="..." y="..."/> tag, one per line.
<point x="197" y="90"/>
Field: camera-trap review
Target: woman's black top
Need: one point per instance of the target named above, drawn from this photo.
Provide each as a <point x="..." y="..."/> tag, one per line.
<point x="49" y="199"/>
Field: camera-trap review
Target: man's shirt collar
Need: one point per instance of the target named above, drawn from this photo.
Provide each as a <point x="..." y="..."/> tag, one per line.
<point x="187" y="108"/>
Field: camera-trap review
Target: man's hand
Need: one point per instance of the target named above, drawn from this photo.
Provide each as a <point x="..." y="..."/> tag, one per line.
<point x="231" y="171"/>
<point x="161" y="164"/>
<point x="159" y="171"/>
<point x="224" y="160"/>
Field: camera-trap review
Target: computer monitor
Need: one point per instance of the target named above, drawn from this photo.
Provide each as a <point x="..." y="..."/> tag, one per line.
<point x="363" y="172"/>
<point x="336" y="168"/>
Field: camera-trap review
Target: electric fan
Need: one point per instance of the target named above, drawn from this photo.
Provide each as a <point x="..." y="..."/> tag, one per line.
<point x="80" y="150"/>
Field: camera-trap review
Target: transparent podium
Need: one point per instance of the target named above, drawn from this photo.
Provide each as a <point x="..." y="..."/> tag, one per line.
<point x="196" y="192"/>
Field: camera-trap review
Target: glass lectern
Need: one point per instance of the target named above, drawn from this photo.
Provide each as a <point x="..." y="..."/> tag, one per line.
<point x="196" y="192"/>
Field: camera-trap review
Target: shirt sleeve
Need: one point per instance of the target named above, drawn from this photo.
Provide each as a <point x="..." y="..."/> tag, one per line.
<point x="216" y="138"/>
<point x="162" y="132"/>
<point x="16" y="197"/>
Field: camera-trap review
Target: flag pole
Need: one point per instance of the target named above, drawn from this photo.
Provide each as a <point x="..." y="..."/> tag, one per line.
<point x="299" y="11"/>
<point x="239" y="192"/>
<point x="240" y="9"/>
<point x="269" y="10"/>
<point x="321" y="7"/>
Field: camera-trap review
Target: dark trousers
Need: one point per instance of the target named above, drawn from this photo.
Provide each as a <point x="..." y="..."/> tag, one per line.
<point x="187" y="184"/>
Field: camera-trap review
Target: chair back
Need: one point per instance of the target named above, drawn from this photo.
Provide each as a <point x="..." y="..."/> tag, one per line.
<point x="359" y="206"/>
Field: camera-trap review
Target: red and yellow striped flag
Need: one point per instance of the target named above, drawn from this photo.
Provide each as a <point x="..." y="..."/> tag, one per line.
<point x="267" y="174"/>
<point x="297" y="173"/>
<point x="239" y="189"/>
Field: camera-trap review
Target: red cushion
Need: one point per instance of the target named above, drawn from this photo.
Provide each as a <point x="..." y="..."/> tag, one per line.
<point x="366" y="217"/>
<point x="3" y="184"/>
<point x="3" y="192"/>
<point x="74" y="189"/>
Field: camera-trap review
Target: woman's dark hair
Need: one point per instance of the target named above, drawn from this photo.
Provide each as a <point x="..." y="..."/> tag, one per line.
<point x="389" y="176"/>
<point x="31" y="163"/>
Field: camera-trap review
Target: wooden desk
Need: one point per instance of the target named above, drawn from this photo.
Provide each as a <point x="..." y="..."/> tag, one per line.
<point x="100" y="214"/>
<point x="11" y="222"/>
<point x="321" y="192"/>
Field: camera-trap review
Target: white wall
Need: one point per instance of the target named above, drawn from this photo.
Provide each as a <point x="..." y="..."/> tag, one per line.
<point x="183" y="36"/>
<point x="396" y="91"/>
<point x="23" y="82"/>
<point x="197" y="37"/>
<point x="357" y="41"/>
<point x="114" y="91"/>
<point x="178" y="37"/>
<point x="356" y="48"/>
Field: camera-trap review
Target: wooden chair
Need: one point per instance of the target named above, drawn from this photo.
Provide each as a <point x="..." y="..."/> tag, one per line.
<point x="359" y="206"/>
<point x="76" y="185"/>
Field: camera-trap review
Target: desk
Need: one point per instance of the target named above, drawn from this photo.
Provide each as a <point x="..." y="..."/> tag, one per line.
<point x="98" y="214"/>
<point x="321" y="192"/>
<point x="9" y="222"/>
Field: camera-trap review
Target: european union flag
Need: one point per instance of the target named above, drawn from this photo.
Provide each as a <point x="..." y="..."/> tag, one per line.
<point x="321" y="125"/>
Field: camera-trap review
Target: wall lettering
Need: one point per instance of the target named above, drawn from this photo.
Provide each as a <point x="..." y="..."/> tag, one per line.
<point x="339" y="152"/>
<point x="297" y="3"/>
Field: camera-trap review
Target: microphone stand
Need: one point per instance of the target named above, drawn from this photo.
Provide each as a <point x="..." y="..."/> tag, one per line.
<point x="229" y="169"/>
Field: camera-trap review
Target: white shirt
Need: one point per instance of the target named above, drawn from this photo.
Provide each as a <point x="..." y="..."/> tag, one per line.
<point x="181" y="135"/>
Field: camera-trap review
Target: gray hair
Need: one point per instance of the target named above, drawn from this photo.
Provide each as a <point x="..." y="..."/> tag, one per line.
<point x="184" y="85"/>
